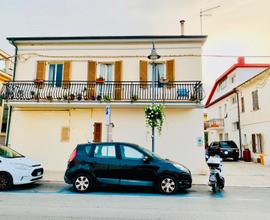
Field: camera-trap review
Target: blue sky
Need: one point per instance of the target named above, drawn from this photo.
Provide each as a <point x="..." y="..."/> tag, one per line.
<point x="235" y="28"/>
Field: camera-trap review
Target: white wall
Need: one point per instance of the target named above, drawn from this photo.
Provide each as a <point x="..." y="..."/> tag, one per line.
<point x="40" y="139"/>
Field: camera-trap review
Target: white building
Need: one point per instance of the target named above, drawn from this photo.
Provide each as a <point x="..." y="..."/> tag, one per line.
<point x="223" y="104"/>
<point x="56" y="101"/>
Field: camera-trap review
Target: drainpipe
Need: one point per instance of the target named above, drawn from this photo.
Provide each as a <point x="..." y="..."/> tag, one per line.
<point x="10" y="107"/>
<point x="239" y="121"/>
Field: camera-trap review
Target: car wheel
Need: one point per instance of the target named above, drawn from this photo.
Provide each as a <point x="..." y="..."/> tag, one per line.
<point x="235" y="159"/>
<point x="5" y="181"/>
<point x="167" y="185"/>
<point x="83" y="183"/>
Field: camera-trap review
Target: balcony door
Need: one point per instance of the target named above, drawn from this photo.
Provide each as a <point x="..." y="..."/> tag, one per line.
<point x="55" y="75"/>
<point x="106" y="71"/>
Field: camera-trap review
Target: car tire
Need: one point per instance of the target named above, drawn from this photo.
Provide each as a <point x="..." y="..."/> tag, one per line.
<point x="167" y="185"/>
<point x="5" y="181"/>
<point x="235" y="159"/>
<point x="83" y="183"/>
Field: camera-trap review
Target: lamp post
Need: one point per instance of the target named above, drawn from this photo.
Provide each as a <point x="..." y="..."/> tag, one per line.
<point x="153" y="56"/>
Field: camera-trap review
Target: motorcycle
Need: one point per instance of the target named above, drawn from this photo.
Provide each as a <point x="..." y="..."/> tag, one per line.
<point x="216" y="177"/>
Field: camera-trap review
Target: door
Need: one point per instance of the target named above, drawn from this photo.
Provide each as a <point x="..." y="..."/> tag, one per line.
<point x="97" y="132"/>
<point x="106" y="163"/>
<point x="134" y="171"/>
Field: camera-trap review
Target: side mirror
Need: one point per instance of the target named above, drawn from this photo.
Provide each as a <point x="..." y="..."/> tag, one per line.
<point x="146" y="159"/>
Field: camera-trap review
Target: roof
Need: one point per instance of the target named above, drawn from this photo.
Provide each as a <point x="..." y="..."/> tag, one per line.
<point x="241" y="64"/>
<point x="110" y="38"/>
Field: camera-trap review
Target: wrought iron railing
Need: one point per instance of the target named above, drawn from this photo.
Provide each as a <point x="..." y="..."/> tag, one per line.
<point x="178" y="91"/>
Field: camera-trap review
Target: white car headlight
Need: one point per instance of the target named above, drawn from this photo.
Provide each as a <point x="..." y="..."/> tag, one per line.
<point x="21" y="166"/>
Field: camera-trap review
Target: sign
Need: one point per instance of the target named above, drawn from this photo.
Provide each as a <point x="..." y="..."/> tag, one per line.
<point x="199" y="141"/>
<point x="108" y="115"/>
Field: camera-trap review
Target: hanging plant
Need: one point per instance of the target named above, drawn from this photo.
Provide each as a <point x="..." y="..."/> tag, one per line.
<point x="154" y="116"/>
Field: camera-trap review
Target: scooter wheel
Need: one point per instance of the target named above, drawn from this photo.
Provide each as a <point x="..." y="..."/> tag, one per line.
<point x="214" y="188"/>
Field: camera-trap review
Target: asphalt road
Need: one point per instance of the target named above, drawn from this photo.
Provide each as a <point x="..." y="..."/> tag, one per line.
<point x="59" y="201"/>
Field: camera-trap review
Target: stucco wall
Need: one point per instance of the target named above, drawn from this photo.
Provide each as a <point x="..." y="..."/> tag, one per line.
<point x="36" y="133"/>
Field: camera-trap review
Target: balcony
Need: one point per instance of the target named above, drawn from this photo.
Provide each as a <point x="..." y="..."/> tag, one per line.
<point x="214" y="124"/>
<point x="100" y="92"/>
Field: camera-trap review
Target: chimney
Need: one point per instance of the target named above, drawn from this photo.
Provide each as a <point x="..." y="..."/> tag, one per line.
<point x="182" y="22"/>
<point x="241" y="60"/>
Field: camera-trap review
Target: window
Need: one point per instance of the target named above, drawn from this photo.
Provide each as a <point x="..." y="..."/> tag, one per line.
<point x="242" y="104"/>
<point x="222" y="85"/>
<point x="4" y="119"/>
<point x="55" y="75"/>
<point x="255" y="101"/>
<point x="88" y="149"/>
<point x="226" y="136"/>
<point x="106" y="71"/>
<point x="257" y="143"/>
<point x="233" y="79"/>
<point x="159" y="71"/>
<point x="105" y="151"/>
<point x="234" y="100"/>
<point x="235" y="125"/>
<point x="128" y="152"/>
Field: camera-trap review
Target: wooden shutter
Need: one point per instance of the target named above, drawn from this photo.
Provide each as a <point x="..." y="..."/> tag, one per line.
<point x="253" y="143"/>
<point x="91" y="77"/>
<point x="143" y="73"/>
<point x="66" y="74"/>
<point x="41" y="68"/>
<point x="242" y="104"/>
<point x="118" y="79"/>
<point x="170" y="68"/>
<point x="97" y="132"/>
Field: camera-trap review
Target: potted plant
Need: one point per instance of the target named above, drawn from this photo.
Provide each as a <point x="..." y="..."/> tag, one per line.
<point x="79" y="96"/>
<point x="65" y="97"/>
<point x="134" y="98"/>
<point x="59" y="98"/>
<point x="163" y="80"/>
<point x="71" y="96"/>
<point x="93" y="98"/>
<point x="107" y="98"/>
<point x="49" y="97"/>
<point x="32" y="93"/>
<point x="194" y="97"/>
<point x="100" y="79"/>
<point x="99" y="97"/>
<point x="154" y="116"/>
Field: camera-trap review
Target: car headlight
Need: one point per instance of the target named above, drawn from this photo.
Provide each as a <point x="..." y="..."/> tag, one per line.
<point x="186" y="170"/>
<point x="21" y="166"/>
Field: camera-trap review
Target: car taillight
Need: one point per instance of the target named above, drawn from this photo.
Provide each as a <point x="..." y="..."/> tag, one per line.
<point x="72" y="156"/>
<point x="221" y="150"/>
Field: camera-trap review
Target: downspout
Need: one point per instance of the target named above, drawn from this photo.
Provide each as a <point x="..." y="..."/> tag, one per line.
<point x="239" y="121"/>
<point x="10" y="107"/>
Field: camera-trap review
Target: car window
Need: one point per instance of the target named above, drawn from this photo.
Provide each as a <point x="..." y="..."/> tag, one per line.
<point x="228" y="144"/>
<point x="88" y="149"/>
<point x="9" y="153"/>
<point x="214" y="144"/>
<point x="128" y="152"/>
<point x="107" y="151"/>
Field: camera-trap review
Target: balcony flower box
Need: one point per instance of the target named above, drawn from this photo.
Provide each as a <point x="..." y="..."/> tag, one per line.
<point x="100" y="80"/>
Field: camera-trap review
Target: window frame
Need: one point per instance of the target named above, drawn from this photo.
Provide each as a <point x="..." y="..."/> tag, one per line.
<point x="105" y="145"/>
<point x="255" y="100"/>
<point x="47" y="74"/>
<point x="150" y="74"/>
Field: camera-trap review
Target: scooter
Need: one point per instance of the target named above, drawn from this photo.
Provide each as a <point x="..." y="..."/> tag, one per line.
<point x="216" y="178"/>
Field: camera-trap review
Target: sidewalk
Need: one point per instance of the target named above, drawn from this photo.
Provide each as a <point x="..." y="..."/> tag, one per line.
<point x="236" y="174"/>
<point x="241" y="174"/>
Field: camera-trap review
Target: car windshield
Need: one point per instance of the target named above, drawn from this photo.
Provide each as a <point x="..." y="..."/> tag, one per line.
<point x="228" y="144"/>
<point x="150" y="153"/>
<point x="9" y="153"/>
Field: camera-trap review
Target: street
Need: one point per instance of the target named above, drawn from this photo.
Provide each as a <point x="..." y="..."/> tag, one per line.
<point x="56" y="200"/>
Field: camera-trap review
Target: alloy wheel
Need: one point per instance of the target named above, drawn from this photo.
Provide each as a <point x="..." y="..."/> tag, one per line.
<point x="168" y="185"/>
<point x="82" y="183"/>
<point x="4" y="182"/>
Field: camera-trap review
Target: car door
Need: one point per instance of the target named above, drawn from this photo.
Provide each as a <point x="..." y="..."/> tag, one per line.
<point x="106" y="163"/>
<point x="134" y="170"/>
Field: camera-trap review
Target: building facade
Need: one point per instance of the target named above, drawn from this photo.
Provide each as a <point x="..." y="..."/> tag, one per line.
<point x="5" y="76"/>
<point x="223" y="104"/>
<point x="62" y="86"/>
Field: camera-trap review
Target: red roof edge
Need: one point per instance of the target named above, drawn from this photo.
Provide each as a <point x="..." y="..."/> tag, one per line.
<point x="240" y="64"/>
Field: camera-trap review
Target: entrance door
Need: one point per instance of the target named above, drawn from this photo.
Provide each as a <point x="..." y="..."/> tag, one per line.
<point x="97" y="132"/>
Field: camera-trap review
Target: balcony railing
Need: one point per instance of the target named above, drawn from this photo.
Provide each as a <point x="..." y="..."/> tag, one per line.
<point x="214" y="124"/>
<point x="85" y="91"/>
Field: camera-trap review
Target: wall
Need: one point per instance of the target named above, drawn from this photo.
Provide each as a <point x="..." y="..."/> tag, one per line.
<point x="36" y="133"/>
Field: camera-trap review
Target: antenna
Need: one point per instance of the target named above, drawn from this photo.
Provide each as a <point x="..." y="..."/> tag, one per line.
<point x="203" y="14"/>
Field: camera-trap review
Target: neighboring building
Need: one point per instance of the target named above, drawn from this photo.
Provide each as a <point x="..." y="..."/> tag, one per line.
<point x="5" y="76"/>
<point x="255" y="116"/>
<point x="57" y="102"/>
<point x="223" y="102"/>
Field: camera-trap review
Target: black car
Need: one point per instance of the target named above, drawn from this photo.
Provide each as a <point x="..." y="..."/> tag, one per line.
<point x="119" y="163"/>
<point x="228" y="149"/>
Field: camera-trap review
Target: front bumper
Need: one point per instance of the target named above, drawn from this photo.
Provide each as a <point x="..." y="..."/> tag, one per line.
<point x="29" y="176"/>
<point x="185" y="181"/>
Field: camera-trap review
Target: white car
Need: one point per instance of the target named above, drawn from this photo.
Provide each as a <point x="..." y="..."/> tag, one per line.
<point x="15" y="169"/>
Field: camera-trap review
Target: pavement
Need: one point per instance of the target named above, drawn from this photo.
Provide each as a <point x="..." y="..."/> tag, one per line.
<point x="238" y="173"/>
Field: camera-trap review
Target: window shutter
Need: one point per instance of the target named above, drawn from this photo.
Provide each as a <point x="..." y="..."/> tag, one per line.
<point x="242" y="104"/>
<point x="118" y="79"/>
<point x="143" y="73"/>
<point x="253" y="143"/>
<point x="41" y="68"/>
<point x="97" y="132"/>
<point x="91" y="77"/>
<point x="170" y="66"/>
<point x="66" y="74"/>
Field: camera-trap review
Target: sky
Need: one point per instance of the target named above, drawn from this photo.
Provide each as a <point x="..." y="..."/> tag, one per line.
<point x="236" y="27"/>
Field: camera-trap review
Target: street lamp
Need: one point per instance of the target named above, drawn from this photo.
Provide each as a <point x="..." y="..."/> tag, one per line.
<point x="153" y="56"/>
